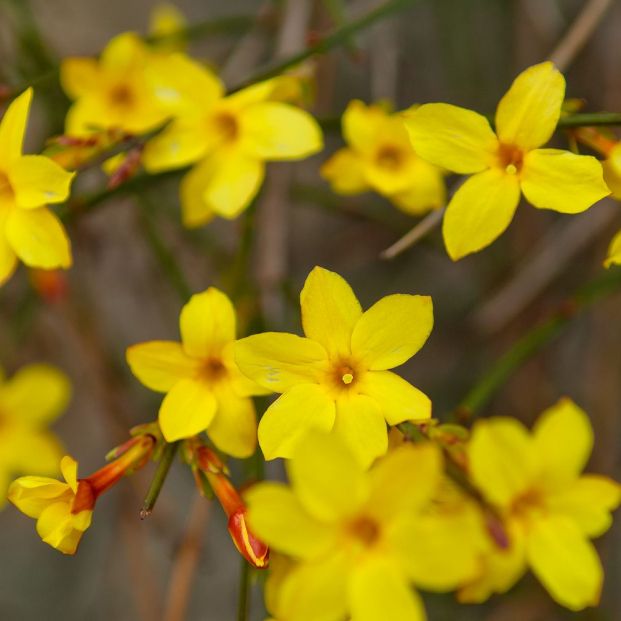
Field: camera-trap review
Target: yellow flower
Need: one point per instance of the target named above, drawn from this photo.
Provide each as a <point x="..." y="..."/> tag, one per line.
<point x="112" y="93"/>
<point x="614" y="251"/>
<point x="29" y="401"/>
<point x="612" y="167"/>
<point x="380" y="157"/>
<point x="505" y="164"/>
<point x="337" y="378"/>
<point x="359" y="538"/>
<point x="28" y="229"/>
<point x="63" y="510"/>
<point x="205" y="390"/>
<point x="550" y="509"/>
<point x="167" y="23"/>
<point x="231" y="138"/>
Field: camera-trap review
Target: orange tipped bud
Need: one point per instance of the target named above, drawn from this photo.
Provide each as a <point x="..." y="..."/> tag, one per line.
<point x="51" y="285"/>
<point x="252" y="549"/>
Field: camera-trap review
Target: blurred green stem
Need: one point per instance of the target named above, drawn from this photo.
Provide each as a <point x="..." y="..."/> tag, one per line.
<point x="163" y="466"/>
<point x="244" y="591"/>
<point x="590" y="119"/>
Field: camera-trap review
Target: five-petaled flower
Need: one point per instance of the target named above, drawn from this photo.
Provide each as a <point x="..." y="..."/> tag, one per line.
<point x="380" y="157"/>
<point x="550" y="509"/>
<point x="337" y="378"/>
<point x="205" y="389"/>
<point x="359" y="538"/>
<point x="28" y="229"/>
<point x="505" y="164"/>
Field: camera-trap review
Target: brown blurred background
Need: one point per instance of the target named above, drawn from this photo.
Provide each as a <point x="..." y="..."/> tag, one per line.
<point x="461" y="51"/>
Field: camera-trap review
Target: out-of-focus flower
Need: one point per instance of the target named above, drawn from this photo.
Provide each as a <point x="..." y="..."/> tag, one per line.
<point x="505" y="164"/>
<point x="112" y="92"/>
<point x="337" y="378"/>
<point x="28" y="229"/>
<point x="29" y="401"/>
<point x="359" y="538"/>
<point x="51" y="285"/>
<point x="230" y="138"/>
<point x="167" y="24"/>
<point x="614" y="251"/>
<point x="380" y="157"/>
<point x="550" y="509"/>
<point x="64" y="510"/>
<point x="205" y="389"/>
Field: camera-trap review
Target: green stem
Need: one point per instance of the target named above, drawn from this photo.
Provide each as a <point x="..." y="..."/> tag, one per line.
<point x="243" y="598"/>
<point x="535" y="340"/>
<point x="338" y="37"/>
<point x="166" y="460"/>
<point x="590" y="120"/>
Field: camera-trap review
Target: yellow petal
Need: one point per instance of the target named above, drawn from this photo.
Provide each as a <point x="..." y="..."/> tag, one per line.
<point x="31" y="495"/>
<point x="361" y="426"/>
<point x="612" y="170"/>
<point x="234" y="428"/>
<point x="562" y="181"/>
<point x="36" y="394"/>
<point x="167" y="23"/>
<point x="479" y="212"/>
<point x="451" y="137"/>
<point x="378" y="590"/>
<point x="563" y="440"/>
<point x="187" y="410"/>
<point x="179" y="145"/>
<point x="195" y="212"/>
<point x="614" y="251"/>
<point x="159" y="365"/>
<point x="38" y="180"/>
<point x="207" y="323"/>
<point x="330" y="310"/>
<point x="69" y="469"/>
<point x="311" y="472"/>
<point x="502" y="459"/>
<point x="279" y="361"/>
<point x="13" y="127"/>
<point x="79" y="76"/>
<point x="58" y="527"/>
<point x="426" y="190"/>
<point x="303" y="408"/>
<point x="529" y="111"/>
<point x="565" y="562"/>
<point x="38" y="238"/>
<point x="38" y="452"/>
<point x="363" y="125"/>
<point x="279" y="131"/>
<point x="345" y="173"/>
<point x="392" y="330"/>
<point x="8" y="258"/>
<point x="398" y="400"/>
<point x="588" y="502"/>
<point x="277" y="517"/>
<point x="123" y="53"/>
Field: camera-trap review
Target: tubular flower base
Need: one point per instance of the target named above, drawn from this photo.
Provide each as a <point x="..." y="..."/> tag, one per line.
<point x="64" y="510"/>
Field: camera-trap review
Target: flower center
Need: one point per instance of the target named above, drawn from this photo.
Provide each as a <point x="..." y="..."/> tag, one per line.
<point x="6" y="189"/>
<point x="364" y="530"/>
<point x="227" y="126"/>
<point x="526" y="504"/>
<point x="389" y="157"/>
<point x="213" y="370"/>
<point x="344" y="374"/>
<point x="122" y="96"/>
<point x="510" y="158"/>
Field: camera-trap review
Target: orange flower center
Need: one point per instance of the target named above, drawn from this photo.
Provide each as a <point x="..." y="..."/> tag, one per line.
<point x="364" y="530"/>
<point x="213" y="370"/>
<point x="6" y="189"/>
<point x="227" y="125"/>
<point x="344" y="374"/>
<point x="122" y="96"/>
<point x="389" y="157"/>
<point x="510" y="159"/>
<point x="527" y="503"/>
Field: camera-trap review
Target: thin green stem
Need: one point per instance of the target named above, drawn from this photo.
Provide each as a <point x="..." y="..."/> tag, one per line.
<point x="590" y="119"/>
<point x="243" y="598"/>
<point x="166" y="460"/>
<point x="534" y="340"/>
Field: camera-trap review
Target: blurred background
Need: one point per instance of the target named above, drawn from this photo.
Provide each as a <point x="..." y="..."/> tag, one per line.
<point x="121" y="291"/>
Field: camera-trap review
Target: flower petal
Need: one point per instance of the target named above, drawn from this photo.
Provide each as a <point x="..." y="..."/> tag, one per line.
<point x="426" y="190"/>
<point x="31" y="495"/>
<point x="299" y="410"/>
<point x="38" y="238"/>
<point x="177" y="146"/>
<point x="279" y="361"/>
<point x="277" y="517"/>
<point x="187" y="410"/>
<point x="13" y="128"/>
<point x="38" y="452"/>
<point x="159" y="365"/>
<point x="392" y="330"/>
<point x="69" y="469"/>
<point x="398" y="400"/>
<point x="565" y="562"/>
<point x="563" y="440"/>
<point x="378" y="590"/>
<point x="613" y="258"/>
<point x="79" y="76"/>
<point x="363" y="125"/>
<point x="451" y="137"/>
<point x="195" y="211"/>
<point x="479" y="212"/>
<point x="278" y="131"/>
<point x="330" y="310"/>
<point x="360" y="424"/>
<point x="234" y="428"/>
<point x="123" y="53"/>
<point x="345" y="173"/>
<point x="562" y="181"/>
<point x="529" y="111"/>
<point x="502" y="459"/>
<point x="38" y="180"/>
<point x="207" y="323"/>
<point x="8" y="258"/>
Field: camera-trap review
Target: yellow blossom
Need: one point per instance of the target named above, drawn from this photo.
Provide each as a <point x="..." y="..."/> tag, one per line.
<point x="614" y="251"/>
<point x="204" y="388"/>
<point x="359" y="538"/>
<point x="112" y="92"/>
<point x="229" y="138"/>
<point x="167" y="23"/>
<point x="29" y="401"/>
<point x="337" y="378"/>
<point x="28" y="229"/>
<point x="380" y="157"/>
<point x="550" y="509"/>
<point x="506" y="163"/>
